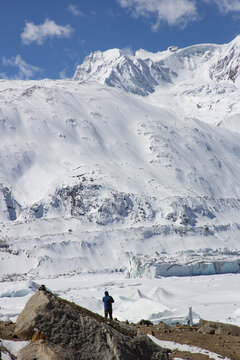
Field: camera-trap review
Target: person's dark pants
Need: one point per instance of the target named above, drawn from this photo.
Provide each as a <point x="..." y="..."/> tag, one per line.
<point x="108" y="312"/>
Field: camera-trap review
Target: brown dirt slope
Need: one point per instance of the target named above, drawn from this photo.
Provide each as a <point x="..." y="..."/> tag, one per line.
<point x="226" y="344"/>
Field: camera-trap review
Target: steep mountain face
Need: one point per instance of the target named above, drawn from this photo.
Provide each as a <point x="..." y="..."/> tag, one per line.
<point x="227" y="66"/>
<point x="141" y="72"/>
<point x="130" y="73"/>
<point x="138" y="154"/>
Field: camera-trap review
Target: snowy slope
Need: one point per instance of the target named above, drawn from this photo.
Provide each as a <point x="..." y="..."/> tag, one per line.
<point x="135" y="161"/>
<point x="201" y="81"/>
<point x="138" y="154"/>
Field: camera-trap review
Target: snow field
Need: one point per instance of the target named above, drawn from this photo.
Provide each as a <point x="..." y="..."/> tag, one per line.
<point x="213" y="297"/>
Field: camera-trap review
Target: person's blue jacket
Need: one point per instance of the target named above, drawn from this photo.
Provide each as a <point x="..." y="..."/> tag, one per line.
<point x="108" y="300"/>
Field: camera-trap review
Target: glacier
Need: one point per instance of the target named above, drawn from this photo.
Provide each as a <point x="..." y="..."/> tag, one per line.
<point x="135" y="160"/>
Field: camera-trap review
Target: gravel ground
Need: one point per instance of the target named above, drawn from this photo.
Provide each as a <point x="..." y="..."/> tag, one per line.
<point x="224" y="345"/>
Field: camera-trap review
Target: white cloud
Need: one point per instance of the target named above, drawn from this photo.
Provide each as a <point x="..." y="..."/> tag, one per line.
<point x="3" y="76"/>
<point x="127" y="51"/>
<point x="174" y="12"/>
<point x="226" y="6"/>
<point x="38" y="33"/>
<point x="63" y="74"/>
<point x="25" y="71"/>
<point x="74" y="10"/>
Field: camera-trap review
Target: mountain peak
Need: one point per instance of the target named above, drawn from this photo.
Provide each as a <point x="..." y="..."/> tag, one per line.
<point x="136" y="73"/>
<point x="108" y="55"/>
<point x="227" y="66"/>
<point x="235" y="41"/>
<point x="140" y="72"/>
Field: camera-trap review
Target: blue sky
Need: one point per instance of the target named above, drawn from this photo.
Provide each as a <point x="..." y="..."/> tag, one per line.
<point x="49" y="38"/>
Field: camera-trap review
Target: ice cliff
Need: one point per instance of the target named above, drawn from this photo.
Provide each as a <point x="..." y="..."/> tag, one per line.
<point x="188" y="263"/>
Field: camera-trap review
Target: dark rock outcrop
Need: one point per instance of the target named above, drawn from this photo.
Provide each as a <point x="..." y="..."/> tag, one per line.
<point x="211" y="327"/>
<point x="74" y="332"/>
<point x="145" y="322"/>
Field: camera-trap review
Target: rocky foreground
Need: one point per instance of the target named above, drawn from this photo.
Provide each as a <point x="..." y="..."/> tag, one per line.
<point x="61" y="330"/>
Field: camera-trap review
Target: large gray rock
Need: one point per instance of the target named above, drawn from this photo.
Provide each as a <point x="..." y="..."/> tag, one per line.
<point x="43" y="350"/>
<point x="211" y="327"/>
<point x="82" y="334"/>
<point x="26" y="321"/>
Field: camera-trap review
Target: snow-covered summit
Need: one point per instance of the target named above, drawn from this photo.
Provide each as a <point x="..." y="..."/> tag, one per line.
<point x="124" y="70"/>
<point x="141" y="72"/>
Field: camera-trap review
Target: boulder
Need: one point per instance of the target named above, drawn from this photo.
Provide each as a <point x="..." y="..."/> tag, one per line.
<point x="41" y="349"/>
<point x="26" y="321"/>
<point x="164" y="327"/>
<point x="79" y="333"/>
<point x="212" y="327"/>
<point x="145" y="322"/>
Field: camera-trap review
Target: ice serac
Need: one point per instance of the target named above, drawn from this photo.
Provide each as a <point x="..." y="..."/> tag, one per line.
<point x="187" y="263"/>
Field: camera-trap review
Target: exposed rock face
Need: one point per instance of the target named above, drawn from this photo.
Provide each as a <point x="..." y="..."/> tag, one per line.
<point x="211" y="327"/>
<point x="78" y="332"/>
<point x="227" y="65"/>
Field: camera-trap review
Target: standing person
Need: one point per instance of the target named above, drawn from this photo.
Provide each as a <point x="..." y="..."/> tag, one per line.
<point x="108" y="300"/>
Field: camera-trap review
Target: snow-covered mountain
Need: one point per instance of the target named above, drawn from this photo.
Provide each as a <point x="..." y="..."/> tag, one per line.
<point x="138" y="154"/>
<point x="141" y="72"/>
